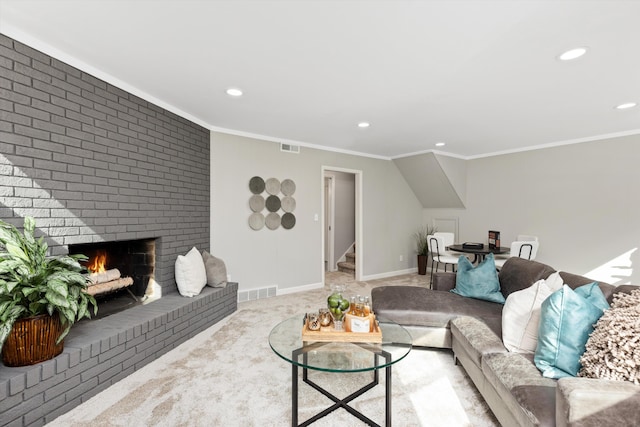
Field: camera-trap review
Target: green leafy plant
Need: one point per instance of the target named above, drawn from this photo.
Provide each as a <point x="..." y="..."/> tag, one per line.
<point x="420" y="236"/>
<point x="32" y="283"/>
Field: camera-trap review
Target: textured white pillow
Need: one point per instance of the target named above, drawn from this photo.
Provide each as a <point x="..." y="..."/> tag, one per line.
<point x="521" y="314"/>
<point x="191" y="275"/>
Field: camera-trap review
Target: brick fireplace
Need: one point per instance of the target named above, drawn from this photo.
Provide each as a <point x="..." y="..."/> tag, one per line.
<point x="96" y="167"/>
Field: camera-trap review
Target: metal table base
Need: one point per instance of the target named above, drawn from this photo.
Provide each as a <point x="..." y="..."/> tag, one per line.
<point x="338" y="403"/>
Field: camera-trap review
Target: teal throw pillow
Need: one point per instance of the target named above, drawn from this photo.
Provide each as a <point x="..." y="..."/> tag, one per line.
<point x="593" y="294"/>
<point x="479" y="282"/>
<point x="566" y="320"/>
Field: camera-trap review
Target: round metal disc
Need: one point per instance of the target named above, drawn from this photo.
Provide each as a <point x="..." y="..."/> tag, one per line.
<point x="288" y="221"/>
<point x="288" y="187"/>
<point x="256" y="221"/>
<point x="273" y="186"/>
<point x="256" y="203"/>
<point x="273" y="203"/>
<point x="288" y="204"/>
<point x="256" y="185"/>
<point x="273" y="221"/>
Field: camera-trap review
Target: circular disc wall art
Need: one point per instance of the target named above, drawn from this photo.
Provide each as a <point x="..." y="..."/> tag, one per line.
<point x="273" y="186"/>
<point x="288" y="204"/>
<point x="288" y="187"/>
<point x="273" y="221"/>
<point x="276" y="198"/>
<point x="256" y="203"/>
<point x="288" y="221"/>
<point x="256" y="221"/>
<point x="273" y="203"/>
<point x="256" y="185"/>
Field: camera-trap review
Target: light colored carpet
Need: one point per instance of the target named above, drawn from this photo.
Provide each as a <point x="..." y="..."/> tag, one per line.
<point x="229" y="376"/>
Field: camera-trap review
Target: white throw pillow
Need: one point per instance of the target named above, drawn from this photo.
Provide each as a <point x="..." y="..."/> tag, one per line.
<point x="554" y="281"/>
<point x="191" y="275"/>
<point x="521" y="314"/>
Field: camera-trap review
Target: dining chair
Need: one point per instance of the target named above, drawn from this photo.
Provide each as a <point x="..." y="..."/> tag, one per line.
<point x="519" y="238"/>
<point x="527" y="249"/>
<point x="448" y="239"/>
<point x="438" y="256"/>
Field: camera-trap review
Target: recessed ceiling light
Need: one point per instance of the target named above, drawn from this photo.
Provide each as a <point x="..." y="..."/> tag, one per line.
<point x="626" y="105"/>
<point x="440" y="144"/>
<point x="573" y="54"/>
<point x="234" y="92"/>
<point x="363" y="125"/>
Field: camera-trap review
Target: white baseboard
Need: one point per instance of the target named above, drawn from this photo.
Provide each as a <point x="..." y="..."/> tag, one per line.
<point x="274" y="290"/>
<point x="390" y="274"/>
<point x="302" y="288"/>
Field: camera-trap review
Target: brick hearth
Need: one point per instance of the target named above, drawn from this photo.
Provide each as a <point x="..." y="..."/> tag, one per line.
<point x="99" y="353"/>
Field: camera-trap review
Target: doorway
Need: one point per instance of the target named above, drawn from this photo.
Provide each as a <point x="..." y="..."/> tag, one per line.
<point x="342" y="218"/>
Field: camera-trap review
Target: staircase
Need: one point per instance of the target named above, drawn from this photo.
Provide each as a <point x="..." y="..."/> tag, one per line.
<point x="348" y="266"/>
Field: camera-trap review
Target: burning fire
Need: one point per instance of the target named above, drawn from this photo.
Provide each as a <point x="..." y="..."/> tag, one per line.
<point x="98" y="263"/>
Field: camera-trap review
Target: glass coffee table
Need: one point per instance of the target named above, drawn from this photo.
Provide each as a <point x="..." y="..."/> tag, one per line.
<point x="340" y="357"/>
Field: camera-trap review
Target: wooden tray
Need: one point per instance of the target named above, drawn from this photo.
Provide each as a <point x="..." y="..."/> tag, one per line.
<point x="331" y="335"/>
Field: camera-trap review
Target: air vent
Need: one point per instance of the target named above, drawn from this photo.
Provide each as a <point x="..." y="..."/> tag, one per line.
<point x="254" y="294"/>
<point x="290" y="148"/>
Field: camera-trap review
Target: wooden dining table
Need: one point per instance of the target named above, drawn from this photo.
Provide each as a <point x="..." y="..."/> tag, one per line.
<point x="479" y="252"/>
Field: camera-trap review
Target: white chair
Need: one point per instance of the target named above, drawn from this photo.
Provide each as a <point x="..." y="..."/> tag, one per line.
<point x="436" y="249"/>
<point x="520" y="238"/>
<point x="448" y="239"/>
<point x="527" y="249"/>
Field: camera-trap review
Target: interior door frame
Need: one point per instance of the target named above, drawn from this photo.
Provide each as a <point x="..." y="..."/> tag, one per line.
<point x="329" y="220"/>
<point x="358" y="217"/>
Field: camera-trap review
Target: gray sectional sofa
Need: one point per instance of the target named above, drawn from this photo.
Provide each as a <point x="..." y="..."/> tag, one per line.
<point x="510" y="383"/>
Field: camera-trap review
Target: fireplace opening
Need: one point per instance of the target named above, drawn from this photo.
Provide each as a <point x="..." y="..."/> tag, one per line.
<point x="120" y="272"/>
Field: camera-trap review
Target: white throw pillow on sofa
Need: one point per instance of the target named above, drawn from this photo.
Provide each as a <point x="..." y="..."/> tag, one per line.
<point x="191" y="276"/>
<point x="554" y="281"/>
<point x="521" y="314"/>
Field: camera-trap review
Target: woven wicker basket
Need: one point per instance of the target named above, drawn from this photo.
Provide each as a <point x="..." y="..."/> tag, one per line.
<point x="32" y="340"/>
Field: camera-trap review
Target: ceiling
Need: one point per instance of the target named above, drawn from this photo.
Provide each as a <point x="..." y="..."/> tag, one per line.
<point x="481" y="76"/>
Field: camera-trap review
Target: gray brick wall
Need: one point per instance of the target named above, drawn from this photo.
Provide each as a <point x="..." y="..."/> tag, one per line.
<point x="93" y="163"/>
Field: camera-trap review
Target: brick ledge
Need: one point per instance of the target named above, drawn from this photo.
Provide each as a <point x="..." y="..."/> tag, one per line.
<point x="101" y="352"/>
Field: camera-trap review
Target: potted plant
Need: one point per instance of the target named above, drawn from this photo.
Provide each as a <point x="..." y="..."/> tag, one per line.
<point x="422" y="246"/>
<point x="41" y="297"/>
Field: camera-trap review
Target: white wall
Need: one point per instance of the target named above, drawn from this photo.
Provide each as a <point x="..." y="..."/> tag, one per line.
<point x="582" y="200"/>
<point x="293" y="258"/>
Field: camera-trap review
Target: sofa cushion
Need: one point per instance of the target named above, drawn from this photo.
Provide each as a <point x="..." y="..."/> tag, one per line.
<point x="475" y="338"/>
<point x="566" y="320"/>
<point x="418" y="306"/>
<point x="521" y="314"/>
<point x="519" y="273"/>
<point x="529" y="396"/>
<point x="574" y="281"/>
<point x="479" y="282"/>
<point x="587" y="402"/>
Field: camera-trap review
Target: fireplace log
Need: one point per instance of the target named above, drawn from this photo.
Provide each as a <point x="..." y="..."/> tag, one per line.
<point x="106" y="287"/>
<point x="107" y="276"/>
